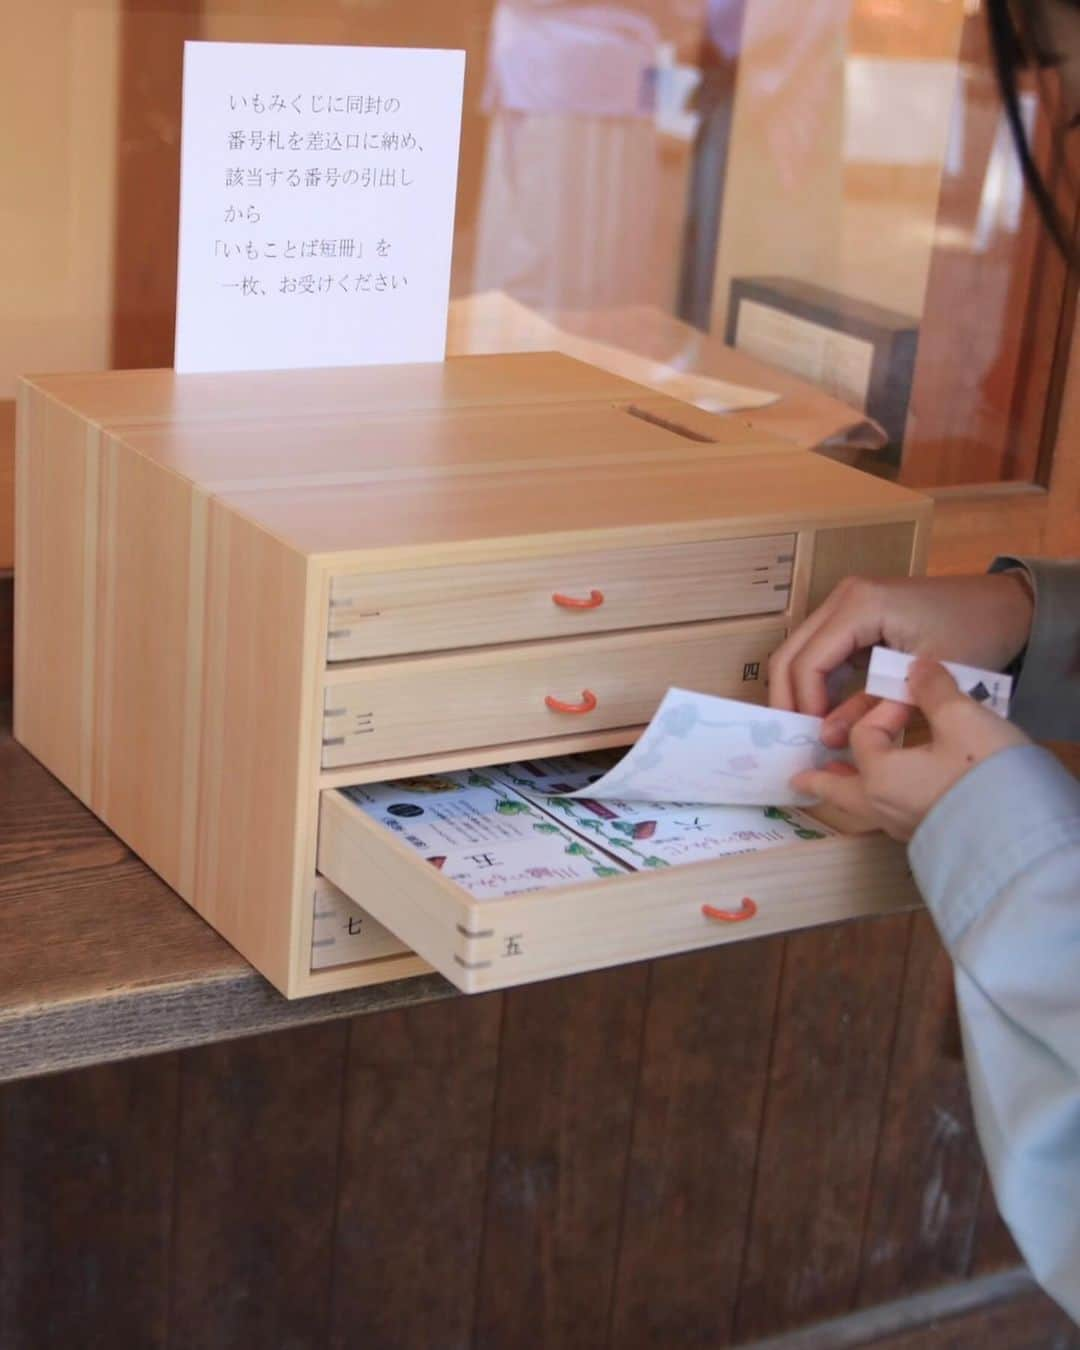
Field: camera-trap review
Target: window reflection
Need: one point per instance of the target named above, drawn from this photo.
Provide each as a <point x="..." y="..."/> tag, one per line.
<point x="631" y="171"/>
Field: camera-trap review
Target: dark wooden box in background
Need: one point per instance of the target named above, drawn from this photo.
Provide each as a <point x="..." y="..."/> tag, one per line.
<point x="856" y="351"/>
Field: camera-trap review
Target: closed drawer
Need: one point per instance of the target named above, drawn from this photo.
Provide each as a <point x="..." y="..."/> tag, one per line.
<point x="492" y="696"/>
<point x="493" y="943"/>
<point x="434" y="608"/>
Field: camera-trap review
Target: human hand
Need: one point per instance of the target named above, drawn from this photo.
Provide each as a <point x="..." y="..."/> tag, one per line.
<point x="892" y="788"/>
<point x="978" y="621"/>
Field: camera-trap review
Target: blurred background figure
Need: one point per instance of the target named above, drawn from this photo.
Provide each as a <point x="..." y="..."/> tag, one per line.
<point x="571" y="169"/>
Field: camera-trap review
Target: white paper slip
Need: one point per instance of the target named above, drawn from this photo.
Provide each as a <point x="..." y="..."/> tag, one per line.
<point x="655" y="834"/>
<point x="343" y="933"/>
<point x="317" y="189"/>
<point x="716" y="751"/>
<point x="482" y="834"/>
<point x="887" y="678"/>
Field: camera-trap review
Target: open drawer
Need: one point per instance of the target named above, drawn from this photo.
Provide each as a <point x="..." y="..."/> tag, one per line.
<point x="482" y="944"/>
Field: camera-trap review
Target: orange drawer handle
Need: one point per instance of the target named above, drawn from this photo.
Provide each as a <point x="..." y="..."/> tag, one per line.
<point x="587" y="704"/>
<point x="594" y="601"/>
<point x="746" y="910"/>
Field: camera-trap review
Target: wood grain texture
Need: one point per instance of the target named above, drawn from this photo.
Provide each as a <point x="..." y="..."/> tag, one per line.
<point x="194" y="525"/>
<point x="7" y="484"/>
<point x="1031" y="1323"/>
<point x="1005" y="1310"/>
<point x="383" y="613"/>
<point x="491" y="695"/>
<point x="55" y="579"/>
<point x="567" y="1080"/>
<point x="254" y="782"/>
<point x="100" y="961"/>
<point x="86" y="1184"/>
<point x="993" y="1248"/>
<point x="419" y="1096"/>
<point x="1000" y="304"/>
<point x="883" y="551"/>
<point x="835" y="1023"/>
<point x="928" y="1176"/>
<point x="501" y="941"/>
<point x="7" y="634"/>
<point x="254" y="1225"/>
<point x="686" y="1208"/>
<point x="148" y="178"/>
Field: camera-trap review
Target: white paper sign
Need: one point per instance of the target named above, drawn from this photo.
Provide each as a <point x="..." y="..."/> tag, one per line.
<point x="887" y="678"/>
<point x="716" y="751"/>
<point x="317" y="189"/>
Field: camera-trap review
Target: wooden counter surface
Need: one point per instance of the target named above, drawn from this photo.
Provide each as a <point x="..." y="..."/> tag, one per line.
<point x="100" y="960"/>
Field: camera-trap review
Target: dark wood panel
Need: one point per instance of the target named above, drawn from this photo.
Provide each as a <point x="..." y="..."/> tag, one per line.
<point x="997" y="300"/>
<point x="928" y="1177"/>
<point x="567" y="1078"/>
<point x="836" y="1016"/>
<point x="704" y="1067"/>
<point x="994" y="1248"/>
<point x="1005" y="1311"/>
<point x="420" y="1090"/>
<point x="257" y="1161"/>
<point x="1031" y="1323"/>
<point x="7" y="487"/>
<point x="86" y="1183"/>
<point x="148" y="178"/>
<point x="7" y="633"/>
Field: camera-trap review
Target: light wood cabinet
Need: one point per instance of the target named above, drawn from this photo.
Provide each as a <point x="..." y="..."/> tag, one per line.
<point x="239" y="593"/>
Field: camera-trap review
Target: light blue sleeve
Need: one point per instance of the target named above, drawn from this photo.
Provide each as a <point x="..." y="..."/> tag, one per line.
<point x="998" y="862"/>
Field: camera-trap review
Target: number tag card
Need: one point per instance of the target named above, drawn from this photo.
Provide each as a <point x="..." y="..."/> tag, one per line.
<point x="887" y="678"/>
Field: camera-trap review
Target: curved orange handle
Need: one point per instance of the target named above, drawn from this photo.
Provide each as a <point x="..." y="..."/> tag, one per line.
<point x="746" y="910"/>
<point x="594" y="601"/>
<point x="587" y="704"/>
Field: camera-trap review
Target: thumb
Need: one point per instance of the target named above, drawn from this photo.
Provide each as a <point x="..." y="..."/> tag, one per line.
<point x="932" y="687"/>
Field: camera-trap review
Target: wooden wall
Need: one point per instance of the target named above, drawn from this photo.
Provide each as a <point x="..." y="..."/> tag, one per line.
<point x="697" y="1152"/>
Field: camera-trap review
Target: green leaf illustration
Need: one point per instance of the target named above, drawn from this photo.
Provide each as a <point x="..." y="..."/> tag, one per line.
<point x="507" y="807"/>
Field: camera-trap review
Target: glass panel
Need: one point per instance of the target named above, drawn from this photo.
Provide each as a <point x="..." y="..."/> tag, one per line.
<point x="818" y="201"/>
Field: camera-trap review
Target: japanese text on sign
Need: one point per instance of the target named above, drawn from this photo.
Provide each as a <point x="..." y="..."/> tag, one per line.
<point x="317" y="204"/>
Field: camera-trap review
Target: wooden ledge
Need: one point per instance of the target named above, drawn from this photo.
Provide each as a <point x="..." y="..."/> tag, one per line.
<point x="101" y="961"/>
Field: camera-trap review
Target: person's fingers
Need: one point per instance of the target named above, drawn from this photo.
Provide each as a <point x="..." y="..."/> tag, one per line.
<point x="781" y="688"/>
<point x="839" y="766"/>
<point x="841" y="790"/>
<point x="837" y="726"/>
<point x="870" y="743"/>
<point x="932" y="688"/>
<point x="889" y="716"/>
<point x="856" y="624"/>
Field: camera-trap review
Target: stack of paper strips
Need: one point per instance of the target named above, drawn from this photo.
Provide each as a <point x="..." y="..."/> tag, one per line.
<point x="509" y="829"/>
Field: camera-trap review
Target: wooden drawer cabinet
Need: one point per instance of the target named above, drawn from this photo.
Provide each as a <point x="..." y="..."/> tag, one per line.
<point x="397" y="709"/>
<point x="239" y="594"/>
<point x="384" y="614"/>
<point x="492" y="944"/>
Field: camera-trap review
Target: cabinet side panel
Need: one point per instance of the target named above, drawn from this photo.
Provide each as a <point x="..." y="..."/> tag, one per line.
<point x="147" y="640"/>
<point x="860" y="550"/>
<point x="250" y="773"/>
<point x="56" y="560"/>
